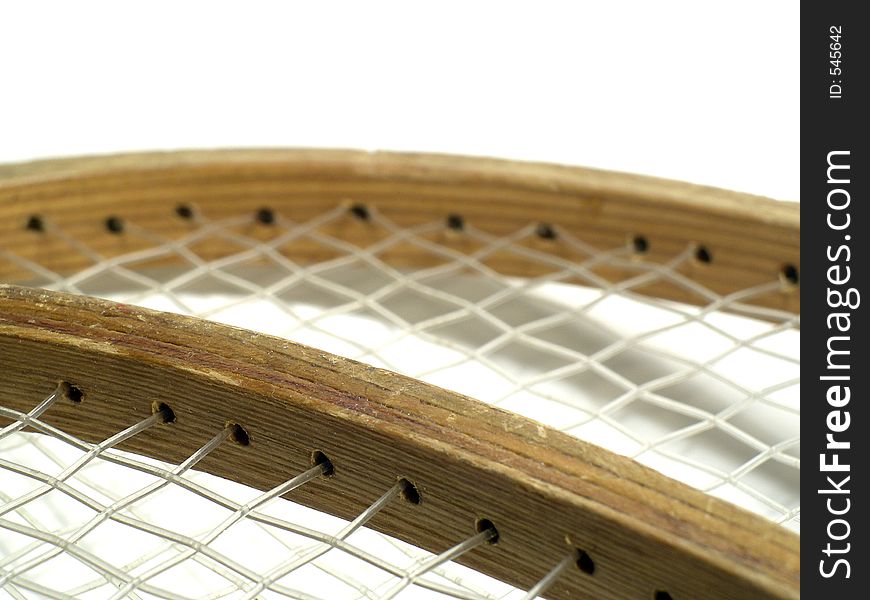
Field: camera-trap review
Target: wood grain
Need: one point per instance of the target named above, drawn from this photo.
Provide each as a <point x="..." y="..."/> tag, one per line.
<point x="750" y="239"/>
<point x="546" y="492"/>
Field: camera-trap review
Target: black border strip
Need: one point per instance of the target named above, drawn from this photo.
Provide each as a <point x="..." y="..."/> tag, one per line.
<point x="834" y="263"/>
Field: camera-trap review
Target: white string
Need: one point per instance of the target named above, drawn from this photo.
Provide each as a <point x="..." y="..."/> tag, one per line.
<point x="550" y="577"/>
<point x="707" y="394"/>
<point x="253" y="583"/>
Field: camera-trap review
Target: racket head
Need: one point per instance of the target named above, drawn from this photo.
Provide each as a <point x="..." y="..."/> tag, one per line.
<point x="376" y="426"/>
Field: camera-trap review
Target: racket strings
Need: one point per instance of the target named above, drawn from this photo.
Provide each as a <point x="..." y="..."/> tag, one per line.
<point x="32" y="540"/>
<point x="600" y="360"/>
<point x="706" y="393"/>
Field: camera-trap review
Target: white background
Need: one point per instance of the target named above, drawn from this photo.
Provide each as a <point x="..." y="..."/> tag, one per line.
<point x="687" y="90"/>
<point x="695" y="91"/>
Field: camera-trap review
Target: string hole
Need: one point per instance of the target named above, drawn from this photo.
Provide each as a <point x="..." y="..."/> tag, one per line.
<point x="455" y="222"/>
<point x="640" y="244"/>
<point x="115" y="225"/>
<point x="71" y="392"/>
<point x="585" y="562"/>
<point x="239" y="435"/>
<point x="185" y="211"/>
<point x="702" y="255"/>
<point x="545" y="231"/>
<point x="486" y="525"/>
<point x="266" y="216"/>
<point x="167" y="415"/>
<point x="410" y="491"/>
<point x="789" y="275"/>
<point x="360" y="211"/>
<point x="326" y="466"/>
<point x="34" y="223"/>
<point x="662" y="595"/>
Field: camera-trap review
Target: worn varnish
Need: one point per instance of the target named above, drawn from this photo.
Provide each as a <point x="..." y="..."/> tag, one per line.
<point x="751" y="239"/>
<point x="546" y="492"/>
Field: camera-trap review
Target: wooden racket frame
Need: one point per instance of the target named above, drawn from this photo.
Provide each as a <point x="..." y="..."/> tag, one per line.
<point x="546" y="492"/>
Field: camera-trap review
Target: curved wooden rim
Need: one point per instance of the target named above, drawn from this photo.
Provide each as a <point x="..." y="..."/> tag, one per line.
<point x="546" y="492"/>
<point x="750" y="239"/>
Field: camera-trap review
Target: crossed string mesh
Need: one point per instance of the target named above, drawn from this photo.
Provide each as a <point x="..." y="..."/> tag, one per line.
<point x="707" y="394"/>
<point x="71" y="506"/>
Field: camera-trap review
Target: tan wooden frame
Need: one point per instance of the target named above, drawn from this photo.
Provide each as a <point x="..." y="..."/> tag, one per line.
<point x="546" y="492"/>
